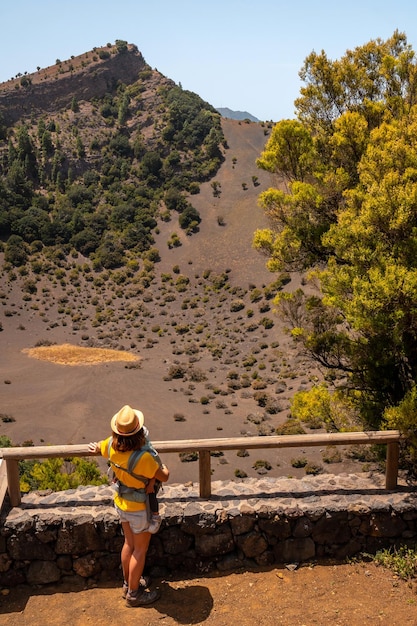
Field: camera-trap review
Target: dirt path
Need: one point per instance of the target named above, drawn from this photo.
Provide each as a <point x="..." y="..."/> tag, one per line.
<point x="353" y="594"/>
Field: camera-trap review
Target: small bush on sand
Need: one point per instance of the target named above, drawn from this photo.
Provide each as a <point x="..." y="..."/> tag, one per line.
<point x="313" y="469"/>
<point x="291" y="427"/>
<point x="300" y="461"/>
<point x="6" y="419"/>
<point x="332" y="455"/>
<point x="262" y="465"/>
<point x="177" y="371"/>
<point x="188" y="457"/>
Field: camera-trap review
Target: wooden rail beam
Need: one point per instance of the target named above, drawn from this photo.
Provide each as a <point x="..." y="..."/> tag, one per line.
<point x="391" y="438"/>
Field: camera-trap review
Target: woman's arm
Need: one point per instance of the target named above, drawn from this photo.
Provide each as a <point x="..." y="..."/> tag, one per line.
<point x="162" y="473"/>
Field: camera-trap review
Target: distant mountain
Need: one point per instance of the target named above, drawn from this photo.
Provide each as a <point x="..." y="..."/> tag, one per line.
<point x="237" y="115"/>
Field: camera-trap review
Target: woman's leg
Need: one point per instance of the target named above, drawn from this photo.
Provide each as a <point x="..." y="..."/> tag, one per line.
<point x="127" y="550"/>
<point x="133" y="555"/>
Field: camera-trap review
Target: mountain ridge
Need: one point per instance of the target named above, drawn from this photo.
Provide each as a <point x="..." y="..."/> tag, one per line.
<point x="84" y="77"/>
<point x="236" y="115"/>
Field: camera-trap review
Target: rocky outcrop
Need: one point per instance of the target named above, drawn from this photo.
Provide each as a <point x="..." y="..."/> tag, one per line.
<point x="84" y="83"/>
<point x="74" y="536"/>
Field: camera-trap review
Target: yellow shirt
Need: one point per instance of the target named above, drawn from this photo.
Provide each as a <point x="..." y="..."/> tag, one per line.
<point x="146" y="466"/>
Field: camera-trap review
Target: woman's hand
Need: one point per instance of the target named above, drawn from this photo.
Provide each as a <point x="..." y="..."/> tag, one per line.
<point x="150" y="487"/>
<point x="94" y="447"/>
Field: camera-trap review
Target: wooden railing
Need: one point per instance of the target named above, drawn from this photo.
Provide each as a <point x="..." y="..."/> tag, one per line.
<point x="12" y="456"/>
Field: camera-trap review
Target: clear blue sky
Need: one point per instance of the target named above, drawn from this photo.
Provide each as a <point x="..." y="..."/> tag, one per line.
<point x="240" y="54"/>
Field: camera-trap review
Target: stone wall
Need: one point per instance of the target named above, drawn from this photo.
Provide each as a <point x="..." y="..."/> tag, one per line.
<point x="74" y="536"/>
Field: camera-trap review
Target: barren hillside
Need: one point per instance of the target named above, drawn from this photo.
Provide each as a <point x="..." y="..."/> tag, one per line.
<point x="215" y="360"/>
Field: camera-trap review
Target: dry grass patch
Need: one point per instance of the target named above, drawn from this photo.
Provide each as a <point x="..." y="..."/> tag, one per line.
<point x="67" y="354"/>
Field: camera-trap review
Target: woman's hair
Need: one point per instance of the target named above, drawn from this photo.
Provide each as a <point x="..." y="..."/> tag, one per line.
<point x="121" y="443"/>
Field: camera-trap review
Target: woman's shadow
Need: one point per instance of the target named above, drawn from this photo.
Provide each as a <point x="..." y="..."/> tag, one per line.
<point x="191" y="604"/>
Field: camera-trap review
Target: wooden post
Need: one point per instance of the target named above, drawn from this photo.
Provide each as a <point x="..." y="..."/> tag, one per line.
<point x="204" y="473"/>
<point x="13" y="484"/>
<point x="391" y="472"/>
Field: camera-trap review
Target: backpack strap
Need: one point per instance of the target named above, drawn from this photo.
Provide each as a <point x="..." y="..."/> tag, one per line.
<point x="149" y="447"/>
<point x="133" y="459"/>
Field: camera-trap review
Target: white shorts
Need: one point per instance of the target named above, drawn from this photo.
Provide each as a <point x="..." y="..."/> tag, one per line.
<point x="137" y="520"/>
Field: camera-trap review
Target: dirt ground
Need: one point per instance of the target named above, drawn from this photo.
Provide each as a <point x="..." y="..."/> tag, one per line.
<point x="351" y="594"/>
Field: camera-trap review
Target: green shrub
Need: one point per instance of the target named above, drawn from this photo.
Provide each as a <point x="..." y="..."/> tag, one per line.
<point x="291" y="427"/>
<point x="299" y="462"/>
<point x="402" y="561"/>
<point x="262" y="465"/>
<point x="313" y="468"/>
<point x="236" y="305"/>
<point x="177" y="371"/>
<point x="188" y="457"/>
<point x="267" y="323"/>
<point x="332" y="455"/>
<point x="60" y="474"/>
<point x="255" y="295"/>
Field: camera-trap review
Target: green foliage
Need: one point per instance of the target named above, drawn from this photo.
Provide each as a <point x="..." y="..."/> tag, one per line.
<point x="313" y="469"/>
<point x="59" y="474"/>
<point x="110" y="253"/>
<point x="261" y="465"/>
<point x="174" y="200"/>
<point x="121" y="46"/>
<point x="74" y="105"/>
<point x="291" y="427"/>
<point x="237" y="305"/>
<point x="318" y="407"/>
<point x="402" y="561"/>
<point x="403" y="417"/>
<point x="311" y="406"/>
<point x="290" y="150"/>
<point x="120" y="145"/>
<point x="190" y="120"/>
<point x="15" y="251"/>
<point x="349" y="208"/>
<point x="189" y="219"/>
<point x="332" y="455"/>
<point x="299" y="462"/>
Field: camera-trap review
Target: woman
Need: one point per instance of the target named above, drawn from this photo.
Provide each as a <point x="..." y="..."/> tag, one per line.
<point x="133" y="482"/>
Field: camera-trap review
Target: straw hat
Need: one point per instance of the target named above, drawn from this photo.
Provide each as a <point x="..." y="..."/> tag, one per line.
<point x="127" y="421"/>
